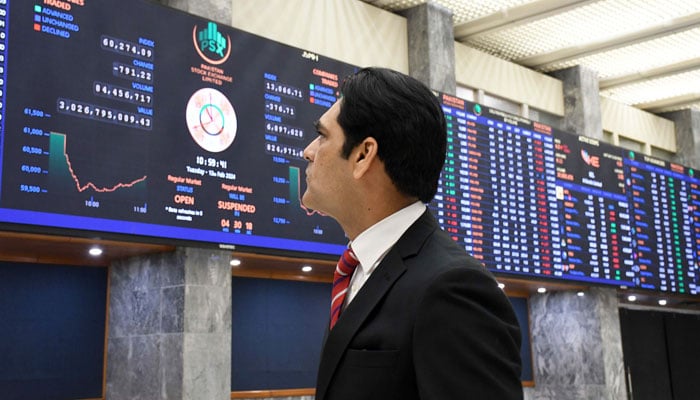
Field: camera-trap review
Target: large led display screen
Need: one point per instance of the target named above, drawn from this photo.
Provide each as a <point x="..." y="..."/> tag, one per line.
<point x="134" y="118"/>
<point x="497" y="190"/>
<point x="529" y="200"/>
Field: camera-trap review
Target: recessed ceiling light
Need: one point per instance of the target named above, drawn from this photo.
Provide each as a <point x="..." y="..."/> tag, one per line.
<point x="580" y="294"/>
<point x="663" y="302"/>
<point x="306" y="268"/>
<point x="235" y="262"/>
<point x="95" y="251"/>
<point x="631" y="298"/>
<point x="541" y="290"/>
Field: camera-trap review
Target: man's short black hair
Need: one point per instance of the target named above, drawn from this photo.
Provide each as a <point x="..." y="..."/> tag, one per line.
<point x="405" y="119"/>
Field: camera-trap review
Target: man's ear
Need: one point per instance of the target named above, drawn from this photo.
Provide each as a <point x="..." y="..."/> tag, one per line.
<point x="364" y="156"/>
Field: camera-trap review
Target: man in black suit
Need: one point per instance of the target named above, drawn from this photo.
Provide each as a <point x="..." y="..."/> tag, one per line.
<point x="421" y="319"/>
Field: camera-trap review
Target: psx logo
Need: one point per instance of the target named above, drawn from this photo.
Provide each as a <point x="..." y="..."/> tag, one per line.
<point x="211" y="45"/>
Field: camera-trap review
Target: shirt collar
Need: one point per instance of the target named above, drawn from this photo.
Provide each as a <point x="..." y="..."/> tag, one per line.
<point x="371" y="246"/>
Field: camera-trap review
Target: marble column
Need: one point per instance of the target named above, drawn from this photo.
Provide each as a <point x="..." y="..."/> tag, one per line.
<point x="576" y="346"/>
<point x="582" y="112"/>
<point x="170" y="327"/>
<point x="687" y="137"/>
<point x="431" y="46"/>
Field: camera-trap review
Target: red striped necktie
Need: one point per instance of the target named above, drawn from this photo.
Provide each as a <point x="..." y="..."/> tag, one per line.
<point x="341" y="278"/>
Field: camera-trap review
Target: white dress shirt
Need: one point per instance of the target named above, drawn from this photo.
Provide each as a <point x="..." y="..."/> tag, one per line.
<point x="371" y="246"/>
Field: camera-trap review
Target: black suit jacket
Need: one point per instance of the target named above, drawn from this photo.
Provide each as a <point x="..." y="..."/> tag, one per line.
<point x="430" y="323"/>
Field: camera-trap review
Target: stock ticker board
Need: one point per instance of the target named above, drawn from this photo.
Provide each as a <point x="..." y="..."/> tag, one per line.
<point x="128" y="117"/>
<point x="532" y="201"/>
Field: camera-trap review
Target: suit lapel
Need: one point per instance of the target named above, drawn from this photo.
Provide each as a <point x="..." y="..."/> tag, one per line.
<point x="354" y="315"/>
<point x="381" y="280"/>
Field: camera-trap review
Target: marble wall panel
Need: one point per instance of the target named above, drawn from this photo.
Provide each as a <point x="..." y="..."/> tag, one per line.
<point x="431" y="46"/>
<point x="687" y="124"/>
<point x="576" y="346"/>
<point x="582" y="110"/>
<point x="170" y="327"/>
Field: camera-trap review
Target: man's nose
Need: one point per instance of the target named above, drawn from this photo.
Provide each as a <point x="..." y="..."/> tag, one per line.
<point x="308" y="151"/>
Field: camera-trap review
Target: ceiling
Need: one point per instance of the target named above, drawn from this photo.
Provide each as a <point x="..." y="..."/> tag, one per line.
<point x="646" y="52"/>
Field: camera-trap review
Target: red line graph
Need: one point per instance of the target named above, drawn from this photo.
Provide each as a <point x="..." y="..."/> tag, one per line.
<point x="90" y="185"/>
<point x="309" y="211"/>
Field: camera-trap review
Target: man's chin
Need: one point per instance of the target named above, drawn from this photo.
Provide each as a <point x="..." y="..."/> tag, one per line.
<point x="306" y="202"/>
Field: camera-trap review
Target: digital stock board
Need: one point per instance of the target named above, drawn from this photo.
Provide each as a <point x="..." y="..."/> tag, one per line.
<point x="134" y="118"/>
<point x="131" y="118"/>
<point x="532" y="201"/>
